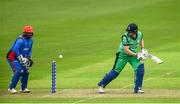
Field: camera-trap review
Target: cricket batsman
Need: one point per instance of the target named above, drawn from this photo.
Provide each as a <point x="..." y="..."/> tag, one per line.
<point x="19" y="58"/>
<point x="127" y="53"/>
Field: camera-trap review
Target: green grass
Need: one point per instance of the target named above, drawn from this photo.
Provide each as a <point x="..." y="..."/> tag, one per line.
<point x="102" y="100"/>
<point x="88" y="33"/>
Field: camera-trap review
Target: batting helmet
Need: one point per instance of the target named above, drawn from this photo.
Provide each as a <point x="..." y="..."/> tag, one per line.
<point x="132" y="28"/>
<point x="28" y="29"/>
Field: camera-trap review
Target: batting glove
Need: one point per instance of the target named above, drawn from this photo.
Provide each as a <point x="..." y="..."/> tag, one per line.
<point x="140" y="56"/>
<point x="144" y="52"/>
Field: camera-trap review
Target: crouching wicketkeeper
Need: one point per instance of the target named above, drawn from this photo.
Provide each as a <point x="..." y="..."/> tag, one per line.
<point x="127" y="53"/>
<point x="19" y="58"/>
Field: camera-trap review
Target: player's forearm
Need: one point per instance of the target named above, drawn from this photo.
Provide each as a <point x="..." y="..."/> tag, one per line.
<point x="142" y="44"/>
<point x="129" y="52"/>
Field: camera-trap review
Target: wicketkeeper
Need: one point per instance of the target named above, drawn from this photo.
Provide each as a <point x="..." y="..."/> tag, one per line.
<point x="127" y="53"/>
<point x="19" y="58"/>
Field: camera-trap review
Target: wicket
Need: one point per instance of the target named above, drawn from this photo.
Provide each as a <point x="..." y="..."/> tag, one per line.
<point x="53" y="76"/>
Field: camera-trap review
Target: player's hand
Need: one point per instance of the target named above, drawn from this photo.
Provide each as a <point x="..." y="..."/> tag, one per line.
<point x="23" y="60"/>
<point x="30" y="61"/>
<point x="144" y="52"/>
<point x="140" y="56"/>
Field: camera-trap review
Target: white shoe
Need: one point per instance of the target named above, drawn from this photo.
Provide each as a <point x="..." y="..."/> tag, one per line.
<point x="12" y="91"/>
<point x="25" y="90"/>
<point x="140" y="91"/>
<point x="101" y="89"/>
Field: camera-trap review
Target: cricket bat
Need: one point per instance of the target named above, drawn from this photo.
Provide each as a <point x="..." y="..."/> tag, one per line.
<point x="155" y="59"/>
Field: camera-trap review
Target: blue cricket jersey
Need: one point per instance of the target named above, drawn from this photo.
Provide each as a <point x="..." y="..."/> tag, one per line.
<point x="22" y="46"/>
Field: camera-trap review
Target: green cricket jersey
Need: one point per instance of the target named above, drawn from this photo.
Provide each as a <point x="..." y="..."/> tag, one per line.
<point x="132" y="43"/>
<point x="123" y="58"/>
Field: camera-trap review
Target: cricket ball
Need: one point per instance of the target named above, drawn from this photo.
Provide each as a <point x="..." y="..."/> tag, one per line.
<point x="60" y="56"/>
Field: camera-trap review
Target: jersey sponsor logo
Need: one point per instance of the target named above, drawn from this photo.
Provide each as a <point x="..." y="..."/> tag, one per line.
<point x="26" y="49"/>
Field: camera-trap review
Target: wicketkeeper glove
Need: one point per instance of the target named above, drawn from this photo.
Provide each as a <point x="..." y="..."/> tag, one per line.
<point x="23" y="60"/>
<point x="30" y="61"/>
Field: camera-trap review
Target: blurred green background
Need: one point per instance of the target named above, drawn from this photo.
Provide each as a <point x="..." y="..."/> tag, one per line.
<point x="88" y="33"/>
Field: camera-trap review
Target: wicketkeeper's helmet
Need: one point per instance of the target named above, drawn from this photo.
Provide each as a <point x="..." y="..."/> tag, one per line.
<point x="28" y="29"/>
<point x="132" y="28"/>
<point x="28" y="32"/>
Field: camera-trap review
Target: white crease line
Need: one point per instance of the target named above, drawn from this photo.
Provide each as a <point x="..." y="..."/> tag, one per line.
<point x="52" y="94"/>
<point x="96" y="96"/>
<point x="168" y="73"/>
